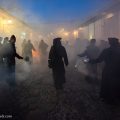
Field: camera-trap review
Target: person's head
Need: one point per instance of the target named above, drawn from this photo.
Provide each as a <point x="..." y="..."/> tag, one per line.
<point x="42" y="40"/>
<point x="29" y="41"/>
<point x="6" y="39"/>
<point x="13" y="39"/>
<point x="113" y="41"/>
<point x="93" y="41"/>
<point x="57" y="42"/>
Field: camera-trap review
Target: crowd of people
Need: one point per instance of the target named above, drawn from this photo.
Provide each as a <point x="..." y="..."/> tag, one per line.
<point x="108" y="53"/>
<point x="7" y="59"/>
<point x="58" y="59"/>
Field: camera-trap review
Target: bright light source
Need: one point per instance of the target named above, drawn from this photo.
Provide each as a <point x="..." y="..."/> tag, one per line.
<point x="90" y="37"/>
<point x="9" y="21"/>
<point x="110" y="15"/>
<point x="51" y="34"/>
<point x="75" y="32"/>
<point x="23" y="33"/>
<point x="66" y="33"/>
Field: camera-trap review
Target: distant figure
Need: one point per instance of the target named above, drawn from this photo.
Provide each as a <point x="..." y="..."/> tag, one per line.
<point x="91" y="52"/>
<point x="110" y="86"/>
<point x="1" y="58"/>
<point x="43" y="48"/>
<point x="28" y="51"/>
<point x="4" y="47"/>
<point x="6" y="40"/>
<point x="57" y="59"/>
<point x="10" y="56"/>
<point x="23" y="47"/>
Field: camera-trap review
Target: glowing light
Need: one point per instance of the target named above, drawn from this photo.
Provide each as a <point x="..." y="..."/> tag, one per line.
<point x="90" y="37"/>
<point x="109" y="15"/>
<point x="35" y="54"/>
<point x="66" y="33"/>
<point x="9" y="21"/>
<point x="75" y="33"/>
<point x="23" y="33"/>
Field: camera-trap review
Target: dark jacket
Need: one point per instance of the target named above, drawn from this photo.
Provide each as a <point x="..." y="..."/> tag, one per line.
<point x="59" y="57"/>
<point x="10" y="56"/>
<point x="110" y="87"/>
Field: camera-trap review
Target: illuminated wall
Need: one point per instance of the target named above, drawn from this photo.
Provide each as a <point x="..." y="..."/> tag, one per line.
<point x="10" y="25"/>
<point x="106" y="26"/>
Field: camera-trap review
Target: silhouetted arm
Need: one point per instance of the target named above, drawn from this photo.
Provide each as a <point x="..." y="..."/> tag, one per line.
<point x="18" y="56"/>
<point x="51" y="53"/>
<point x="83" y="54"/>
<point x="65" y="57"/>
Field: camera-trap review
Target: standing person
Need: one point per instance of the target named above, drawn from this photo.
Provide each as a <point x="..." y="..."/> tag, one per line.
<point x="10" y="56"/>
<point x="43" y="47"/>
<point x="23" y="47"/>
<point x="91" y="52"/>
<point x="28" y="51"/>
<point x="110" y="86"/>
<point x="1" y="58"/>
<point x="43" y="51"/>
<point x="4" y="49"/>
<point x="6" y="40"/>
<point x="57" y="59"/>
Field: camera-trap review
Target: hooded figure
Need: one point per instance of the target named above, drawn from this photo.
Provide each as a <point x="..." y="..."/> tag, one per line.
<point x="110" y="86"/>
<point x="43" y="47"/>
<point x="91" y="52"/>
<point x="58" y="58"/>
<point x="10" y="57"/>
<point x="28" y="51"/>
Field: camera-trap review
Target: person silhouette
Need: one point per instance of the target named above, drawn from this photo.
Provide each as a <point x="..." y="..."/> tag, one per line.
<point x="57" y="59"/>
<point x="110" y="85"/>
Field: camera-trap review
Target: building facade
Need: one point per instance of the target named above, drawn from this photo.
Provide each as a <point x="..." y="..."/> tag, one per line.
<point x="105" y="24"/>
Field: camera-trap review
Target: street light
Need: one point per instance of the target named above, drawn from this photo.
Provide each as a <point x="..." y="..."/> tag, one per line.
<point x="75" y="33"/>
<point x="9" y="21"/>
<point x="66" y="33"/>
<point x="6" y="22"/>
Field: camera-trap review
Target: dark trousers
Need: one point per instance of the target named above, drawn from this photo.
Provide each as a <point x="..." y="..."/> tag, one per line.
<point x="11" y="75"/>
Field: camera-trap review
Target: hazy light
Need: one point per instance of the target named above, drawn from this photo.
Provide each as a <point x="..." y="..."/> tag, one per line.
<point x="90" y="37"/>
<point x="80" y="28"/>
<point x="62" y="30"/>
<point x="110" y="15"/>
<point x="66" y="33"/>
<point x="23" y="33"/>
<point x="9" y="21"/>
<point x="75" y="33"/>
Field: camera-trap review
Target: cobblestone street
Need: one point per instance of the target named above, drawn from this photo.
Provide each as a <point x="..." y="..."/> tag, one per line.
<point x="35" y="99"/>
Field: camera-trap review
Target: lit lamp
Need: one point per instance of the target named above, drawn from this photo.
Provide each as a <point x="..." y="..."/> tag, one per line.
<point x="9" y="21"/>
<point x="66" y="34"/>
<point x="5" y="24"/>
<point x="75" y="33"/>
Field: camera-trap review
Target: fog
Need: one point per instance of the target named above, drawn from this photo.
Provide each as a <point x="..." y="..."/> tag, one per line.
<point x="34" y="96"/>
